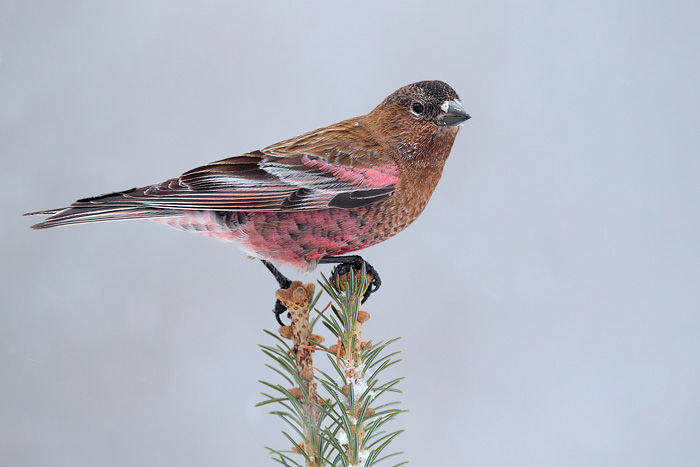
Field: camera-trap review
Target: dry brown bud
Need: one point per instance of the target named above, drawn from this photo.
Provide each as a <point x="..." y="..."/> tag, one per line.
<point x="317" y="400"/>
<point x="283" y="295"/>
<point x="362" y="316"/>
<point x="322" y="402"/>
<point x="297" y="296"/>
<point x="286" y="332"/>
<point x="303" y="292"/>
<point x="316" y="338"/>
<point x="296" y="393"/>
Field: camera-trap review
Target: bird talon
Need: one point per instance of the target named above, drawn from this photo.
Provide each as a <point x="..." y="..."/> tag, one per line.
<point x="278" y="310"/>
<point x="348" y="263"/>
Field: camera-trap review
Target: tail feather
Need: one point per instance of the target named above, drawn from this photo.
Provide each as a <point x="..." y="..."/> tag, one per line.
<point x="48" y="212"/>
<point x="103" y="208"/>
<point x="71" y="215"/>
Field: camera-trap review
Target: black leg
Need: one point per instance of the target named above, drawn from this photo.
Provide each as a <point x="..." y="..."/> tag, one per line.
<point x="284" y="283"/>
<point x="282" y="280"/>
<point x="344" y="263"/>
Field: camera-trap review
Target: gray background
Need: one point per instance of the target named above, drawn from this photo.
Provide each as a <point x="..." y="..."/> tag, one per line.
<point x="547" y="298"/>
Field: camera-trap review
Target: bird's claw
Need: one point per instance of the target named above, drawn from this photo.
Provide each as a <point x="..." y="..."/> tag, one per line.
<point x="278" y="310"/>
<point x="344" y="264"/>
<point x="284" y="283"/>
<point x="344" y="268"/>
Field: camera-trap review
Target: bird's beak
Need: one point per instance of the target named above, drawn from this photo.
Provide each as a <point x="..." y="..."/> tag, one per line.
<point x="453" y="113"/>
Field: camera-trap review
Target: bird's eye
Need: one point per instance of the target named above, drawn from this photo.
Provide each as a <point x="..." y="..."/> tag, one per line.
<point x="417" y="108"/>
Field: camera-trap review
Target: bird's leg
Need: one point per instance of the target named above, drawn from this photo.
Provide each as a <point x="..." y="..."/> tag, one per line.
<point x="281" y="279"/>
<point x="344" y="263"/>
<point x="284" y="283"/>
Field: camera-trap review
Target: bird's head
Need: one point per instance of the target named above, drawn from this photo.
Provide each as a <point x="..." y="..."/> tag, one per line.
<point x="428" y="102"/>
<point x="424" y="117"/>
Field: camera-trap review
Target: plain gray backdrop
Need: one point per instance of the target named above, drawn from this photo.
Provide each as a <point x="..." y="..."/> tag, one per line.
<point x="547" y="298"/>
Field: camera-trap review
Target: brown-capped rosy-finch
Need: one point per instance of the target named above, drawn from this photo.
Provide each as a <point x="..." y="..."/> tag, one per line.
<point x="309" y="199"/>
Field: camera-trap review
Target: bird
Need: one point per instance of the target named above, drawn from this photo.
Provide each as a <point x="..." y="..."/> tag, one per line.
<point x="310" y="199"/>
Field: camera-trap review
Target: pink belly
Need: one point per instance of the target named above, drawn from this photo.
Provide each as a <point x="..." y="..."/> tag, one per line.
<point x="295" y="238"/>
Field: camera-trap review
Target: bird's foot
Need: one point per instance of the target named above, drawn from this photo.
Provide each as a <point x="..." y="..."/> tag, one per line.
<point x="354" y="262"/>
<point x="284" y="283"/>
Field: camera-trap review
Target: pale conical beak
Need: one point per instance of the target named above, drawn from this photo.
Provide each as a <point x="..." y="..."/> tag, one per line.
<point x="453" y="113"/>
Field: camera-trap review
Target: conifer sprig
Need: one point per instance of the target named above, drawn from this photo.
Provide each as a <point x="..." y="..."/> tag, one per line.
<point x="347" y="427"/>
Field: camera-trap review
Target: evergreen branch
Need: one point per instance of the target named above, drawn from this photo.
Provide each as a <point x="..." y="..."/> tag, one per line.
<point x="342" y="429"/>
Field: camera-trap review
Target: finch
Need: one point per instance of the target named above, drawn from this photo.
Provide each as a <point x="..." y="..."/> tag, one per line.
<point x="309" y="199"/>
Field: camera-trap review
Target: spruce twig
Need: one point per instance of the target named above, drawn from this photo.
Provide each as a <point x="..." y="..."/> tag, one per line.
<point x="342" y="429"/>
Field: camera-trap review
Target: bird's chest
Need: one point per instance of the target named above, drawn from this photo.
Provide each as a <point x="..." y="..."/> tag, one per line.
<point x="402" y="208"/>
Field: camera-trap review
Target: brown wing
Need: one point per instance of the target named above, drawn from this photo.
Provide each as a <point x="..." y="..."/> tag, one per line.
<point x="307" y="172"/>
<point x="339" y="166"/>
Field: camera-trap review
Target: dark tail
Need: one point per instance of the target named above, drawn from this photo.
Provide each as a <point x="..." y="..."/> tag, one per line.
<point x="109" y="207"/>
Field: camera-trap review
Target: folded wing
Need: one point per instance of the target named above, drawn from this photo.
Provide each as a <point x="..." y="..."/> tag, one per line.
<point x="336" y="167"/>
